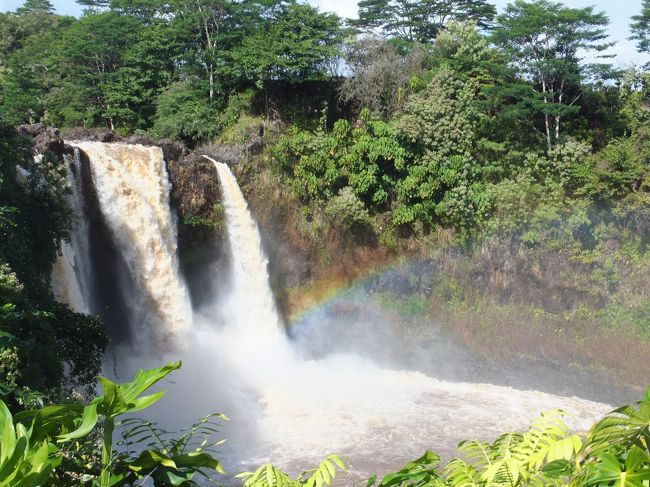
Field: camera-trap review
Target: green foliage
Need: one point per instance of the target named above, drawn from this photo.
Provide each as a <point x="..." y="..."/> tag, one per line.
<point x="126" y="64"/>
<point x="184" y="113"/>
<point x="420" y="21"/>
<point x="444" y="181"/>
<point x="418" y="473"/>
<point x="270" y="476"/>
<point x="364" y="157"/>
<point x="30" y="6"/>
<point x="45" y="334"/>
<point x="24" y="462"/>
<point x="169" y="459"/>
<point x="554" y="47"/>
<point x="413" y="308"/>
<point x="462" y="48"/>
<point x="296" y="44"/>
<point x="347" y="211"/>
<point x="640" y="27"/>
<point x="619" y="169"/>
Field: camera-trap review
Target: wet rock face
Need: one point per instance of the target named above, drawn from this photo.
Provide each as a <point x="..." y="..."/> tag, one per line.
<point x="288" y="267"/>
<point x="94" y="135"/>
<point x="254" y="140"/>
<point x="44" y="139"/>
<point x="196" y="193"/>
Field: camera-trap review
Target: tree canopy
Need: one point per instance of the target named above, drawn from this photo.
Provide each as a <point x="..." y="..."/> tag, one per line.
<point x="420" y="21"/>
<point x="555" y="47"/>
<point x="640" y="27"/>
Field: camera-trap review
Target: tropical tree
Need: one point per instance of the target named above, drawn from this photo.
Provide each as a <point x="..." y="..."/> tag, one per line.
<point x="442" y="180"/>
<point x="553" y="46"/>
<point x="640" y="27"/>
<point x="35" y="6"/>
<point x="421" y="20"/>
<point x="297" y="43"/>
<point x="91" y="50"/>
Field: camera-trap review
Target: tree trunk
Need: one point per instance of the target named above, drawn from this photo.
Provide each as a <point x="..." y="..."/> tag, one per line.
<point x="557" y="117"/>
<point x="547" y="124"/>
<point x="211" y="83"/>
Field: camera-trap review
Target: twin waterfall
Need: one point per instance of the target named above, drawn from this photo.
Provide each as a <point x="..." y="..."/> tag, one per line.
<point x="131" y="188"/>
<point x="287" y="404"/>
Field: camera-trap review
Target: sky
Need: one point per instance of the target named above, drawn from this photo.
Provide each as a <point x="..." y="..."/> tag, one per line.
<point x="619" y="12"/>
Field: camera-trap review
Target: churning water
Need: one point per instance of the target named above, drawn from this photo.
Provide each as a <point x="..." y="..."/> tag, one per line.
<point x="284" y="407"/>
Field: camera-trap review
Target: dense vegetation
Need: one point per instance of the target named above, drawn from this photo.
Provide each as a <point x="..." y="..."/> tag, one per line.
<point x="46" y="349"/>
<point x="507" y="138"/>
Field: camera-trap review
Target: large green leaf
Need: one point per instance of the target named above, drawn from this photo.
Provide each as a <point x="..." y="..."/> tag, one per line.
<point x="420" y="472"/>
<point x="88" y="421"/>
<point x="609" y="471"/>
<point x="23" y="463"/>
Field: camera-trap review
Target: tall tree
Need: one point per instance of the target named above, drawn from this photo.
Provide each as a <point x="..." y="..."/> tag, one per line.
<point x="296" y="44"/>
<point x="640" y="28"/>
<point x="553" y="45"/>
<point x="420" y="20"/>
<point x="35" y="6"/>
<point x="88" y="55"/>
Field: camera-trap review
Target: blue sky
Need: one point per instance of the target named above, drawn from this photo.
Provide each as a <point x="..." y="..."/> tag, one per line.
<point x="619" y="12"/>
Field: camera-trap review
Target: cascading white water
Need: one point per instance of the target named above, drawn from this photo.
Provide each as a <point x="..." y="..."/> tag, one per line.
<point x="71" y="272"/>
<point x="250" y="290"/>
<point x="65" y="282"/>
<point x="133" y="192"/>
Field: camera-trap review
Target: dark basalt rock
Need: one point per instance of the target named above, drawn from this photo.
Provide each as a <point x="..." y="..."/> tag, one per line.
<point x="44" y="139"/>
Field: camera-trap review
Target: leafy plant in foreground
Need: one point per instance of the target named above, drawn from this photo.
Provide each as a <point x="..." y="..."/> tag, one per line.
<point x="169" y="460"/>
<point x="118" y="399"/>
<point x="24" y="461"/>
<point x="166" y="461"/>
<point x="270" y="476"/>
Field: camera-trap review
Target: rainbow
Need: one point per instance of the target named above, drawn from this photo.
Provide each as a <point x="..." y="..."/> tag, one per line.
<point x="309" y="300"/>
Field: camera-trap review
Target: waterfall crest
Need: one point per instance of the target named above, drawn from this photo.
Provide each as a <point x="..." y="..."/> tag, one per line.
<point x="250" y="280"/>
<point x="132" y="189"/>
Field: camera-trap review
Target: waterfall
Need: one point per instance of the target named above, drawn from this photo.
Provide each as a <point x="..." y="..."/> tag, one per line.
<point x="132" y="191"/>
<point x="71" y="279"/>
<point x="287" y="404"/>
<point x="251" y="294"/>
<point x="65" y="283"/>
